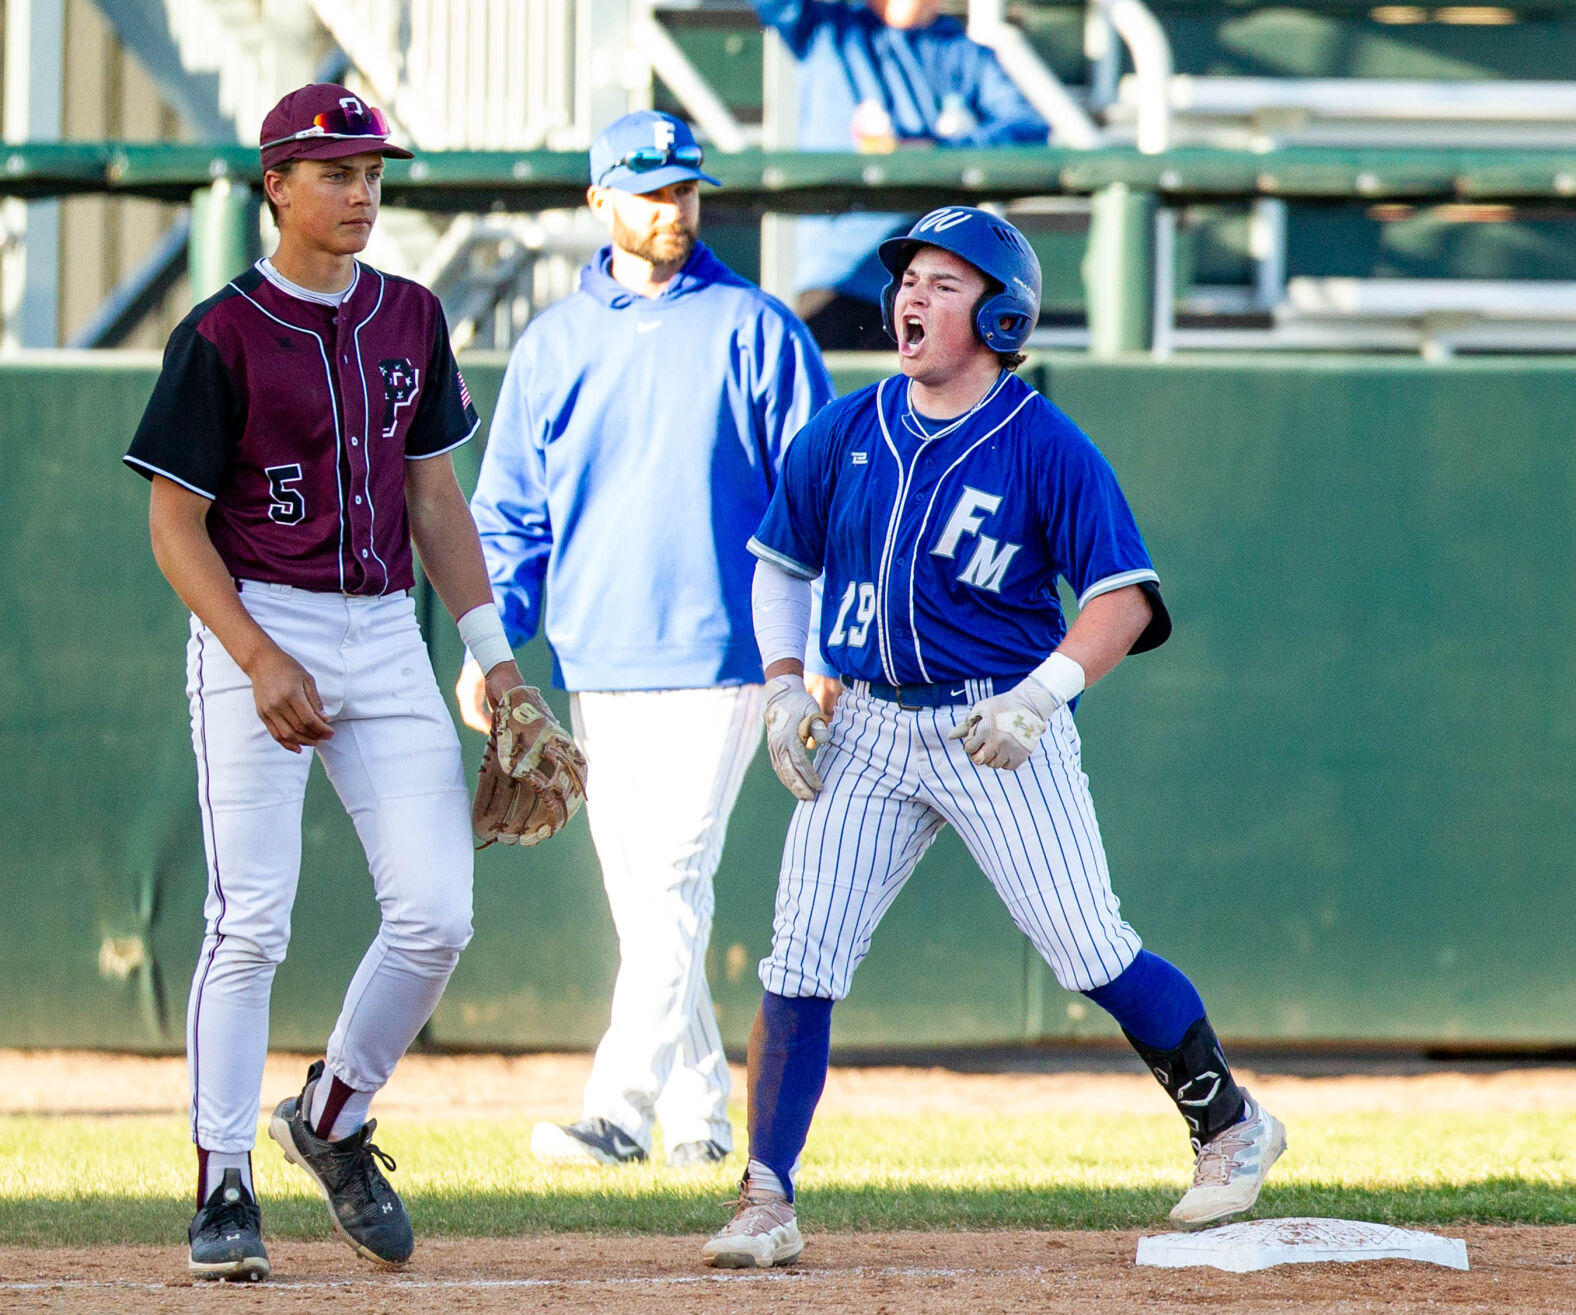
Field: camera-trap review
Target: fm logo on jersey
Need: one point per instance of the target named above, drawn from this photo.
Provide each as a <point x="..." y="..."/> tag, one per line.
<point x="988" y="565"/>
<point x="401" y="382"/>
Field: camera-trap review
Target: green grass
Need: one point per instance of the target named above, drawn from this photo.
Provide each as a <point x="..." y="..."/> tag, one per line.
<point x="76" y="1181"/>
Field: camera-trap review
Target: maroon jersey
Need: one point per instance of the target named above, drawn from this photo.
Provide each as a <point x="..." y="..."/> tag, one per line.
<point x="297" y="419"/>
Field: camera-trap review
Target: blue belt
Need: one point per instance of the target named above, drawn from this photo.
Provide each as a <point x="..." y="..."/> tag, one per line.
<point x="946" y="694"/>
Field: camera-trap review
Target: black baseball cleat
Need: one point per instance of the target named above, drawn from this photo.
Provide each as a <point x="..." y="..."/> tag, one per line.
<point x="226" y="1234"/>
<point x="365" y="1209"/>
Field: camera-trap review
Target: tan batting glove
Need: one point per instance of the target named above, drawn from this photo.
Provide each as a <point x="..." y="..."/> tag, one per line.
<point x="1001" y="731"/>
<point x="794" y="722"/>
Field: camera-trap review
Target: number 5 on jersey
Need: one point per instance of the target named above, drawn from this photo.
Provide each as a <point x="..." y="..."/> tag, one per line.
<point x="859" y="631"/>
<point x="288" y="506"/>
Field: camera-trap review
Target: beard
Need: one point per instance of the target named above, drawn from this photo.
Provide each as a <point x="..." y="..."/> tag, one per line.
<point x="667" y="246"/>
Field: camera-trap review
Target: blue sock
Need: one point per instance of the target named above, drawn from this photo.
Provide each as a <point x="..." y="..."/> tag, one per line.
<point x="789" y="1047"/>
<point x="1152" y="1000"/>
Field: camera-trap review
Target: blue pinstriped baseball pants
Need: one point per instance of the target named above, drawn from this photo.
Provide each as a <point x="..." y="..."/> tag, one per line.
<point x="892" y="781"/>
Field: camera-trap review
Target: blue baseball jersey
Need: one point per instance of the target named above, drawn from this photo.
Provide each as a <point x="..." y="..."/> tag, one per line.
<point x="942" y="542"/>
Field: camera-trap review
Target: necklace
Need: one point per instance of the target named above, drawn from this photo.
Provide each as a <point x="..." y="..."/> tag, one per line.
<point x="916" y="424"/>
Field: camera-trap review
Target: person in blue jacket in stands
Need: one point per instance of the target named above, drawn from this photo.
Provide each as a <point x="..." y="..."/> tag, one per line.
<point x="879" y="76"/>
<point x="637" y="441"/>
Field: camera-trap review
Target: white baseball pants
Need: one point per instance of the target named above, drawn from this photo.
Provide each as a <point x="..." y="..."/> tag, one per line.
<point x="395" y="762"/>
<point x="892" y="780"/>
<point x="664" y="770"/>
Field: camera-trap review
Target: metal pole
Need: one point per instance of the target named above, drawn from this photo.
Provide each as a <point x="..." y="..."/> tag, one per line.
<point x="1267" y="245"/>
<point x="1070" y="125"/>
<point x="1165" y="319"/>
<point x="31" y="81"/>
<point x="780" y="132"/>
<point x="1102" y="52"/>
<point x="1152" y="67"/>
<point x="612" y="78"/>
<point x="673" y="66"/>
<point x="224" y="237"/>
<point x="1119" y="269"/>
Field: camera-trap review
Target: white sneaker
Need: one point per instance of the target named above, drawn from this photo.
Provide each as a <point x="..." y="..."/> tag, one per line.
<point x="1231" y="1169"/>
<point x="762" y="1233"/>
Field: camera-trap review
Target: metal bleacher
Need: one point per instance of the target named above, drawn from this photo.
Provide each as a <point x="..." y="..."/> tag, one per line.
<point x="1374" y="269"/>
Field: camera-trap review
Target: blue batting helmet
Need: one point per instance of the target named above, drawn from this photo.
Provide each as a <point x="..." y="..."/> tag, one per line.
<point x="1005" y="316"/>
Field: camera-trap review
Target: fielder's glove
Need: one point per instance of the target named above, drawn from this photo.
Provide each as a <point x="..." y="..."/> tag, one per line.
<point x="794" y="722"/>
<point x="533" y="775"/>
<point x="1001" y="731"/>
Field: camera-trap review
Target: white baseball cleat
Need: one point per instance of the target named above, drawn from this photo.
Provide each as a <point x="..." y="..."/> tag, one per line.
<point x="590" y="1141"/>
<point x="1231" y="1169"/>
<point x="762" y="1233"/>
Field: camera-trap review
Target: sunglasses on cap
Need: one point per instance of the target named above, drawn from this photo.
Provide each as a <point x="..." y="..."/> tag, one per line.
<point x="646" y="158"/>
<point x="339" y="123"/>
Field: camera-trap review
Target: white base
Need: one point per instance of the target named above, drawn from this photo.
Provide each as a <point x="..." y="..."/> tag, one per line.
<point x="1265" y="1242"/>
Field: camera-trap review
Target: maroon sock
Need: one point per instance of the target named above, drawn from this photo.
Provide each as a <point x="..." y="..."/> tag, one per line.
<point x="338" y="1094"/>
<point x="210" y="1172"/>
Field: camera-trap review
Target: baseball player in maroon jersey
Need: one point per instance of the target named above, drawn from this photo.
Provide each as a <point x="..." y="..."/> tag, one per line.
<point x="297" y="444"/>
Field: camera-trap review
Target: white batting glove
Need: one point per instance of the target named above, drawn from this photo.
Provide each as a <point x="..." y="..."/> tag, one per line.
<point x="1001" y="731"/>
<point x="794" y="722"/>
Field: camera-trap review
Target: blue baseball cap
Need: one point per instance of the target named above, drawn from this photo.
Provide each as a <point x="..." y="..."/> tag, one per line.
<point x="645" y="152"/>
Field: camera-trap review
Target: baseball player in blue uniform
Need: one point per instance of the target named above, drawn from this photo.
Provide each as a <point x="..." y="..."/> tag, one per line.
<point x="636" y="444"/>
<point x="942" y="505"/>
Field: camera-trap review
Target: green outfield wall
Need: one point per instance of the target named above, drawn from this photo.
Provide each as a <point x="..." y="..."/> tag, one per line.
<point x="1342" y="797"/>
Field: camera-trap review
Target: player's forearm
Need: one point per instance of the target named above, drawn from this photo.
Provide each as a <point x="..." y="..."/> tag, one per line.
<point x="177" y="524"/>
<point x="445" y="537"/>
<point x="1105" y="630"/>
<point x="451" y="554"/>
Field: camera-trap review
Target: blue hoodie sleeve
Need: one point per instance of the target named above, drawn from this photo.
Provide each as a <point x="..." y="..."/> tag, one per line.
<point x="1005" y="118"/>
<point x="796" y="21"/>
<point x="510" y="503"/>
<point x="795" y="385"/>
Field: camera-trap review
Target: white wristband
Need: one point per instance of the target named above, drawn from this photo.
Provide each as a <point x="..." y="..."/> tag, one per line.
<point x="1062" y="676"/>
<point x="481" y="630"/>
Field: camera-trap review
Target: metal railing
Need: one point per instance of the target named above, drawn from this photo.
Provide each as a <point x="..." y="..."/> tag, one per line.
<point x="479" y="74"/>
<point x="1253" y="112"/>
<point x="1070" y="123"/>
<point x="794" y="182"/>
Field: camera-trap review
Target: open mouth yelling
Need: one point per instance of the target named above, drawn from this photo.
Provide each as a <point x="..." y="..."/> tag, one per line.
<point x="911" y="335"/>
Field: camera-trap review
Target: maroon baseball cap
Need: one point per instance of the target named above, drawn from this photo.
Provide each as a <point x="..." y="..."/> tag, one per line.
<point x="324" y="121"/>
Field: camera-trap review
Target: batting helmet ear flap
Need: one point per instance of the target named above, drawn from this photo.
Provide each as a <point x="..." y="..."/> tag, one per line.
<point x="1000" y="320"/>
<point x="889" y="301"/>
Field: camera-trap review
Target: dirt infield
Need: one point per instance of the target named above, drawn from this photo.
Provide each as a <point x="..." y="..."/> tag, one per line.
<point x="1078" y="1273"/>
<point x="1513" y="1270"/>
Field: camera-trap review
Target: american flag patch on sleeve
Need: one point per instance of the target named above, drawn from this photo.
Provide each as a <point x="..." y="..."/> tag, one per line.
<point x="465" y="393"/>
